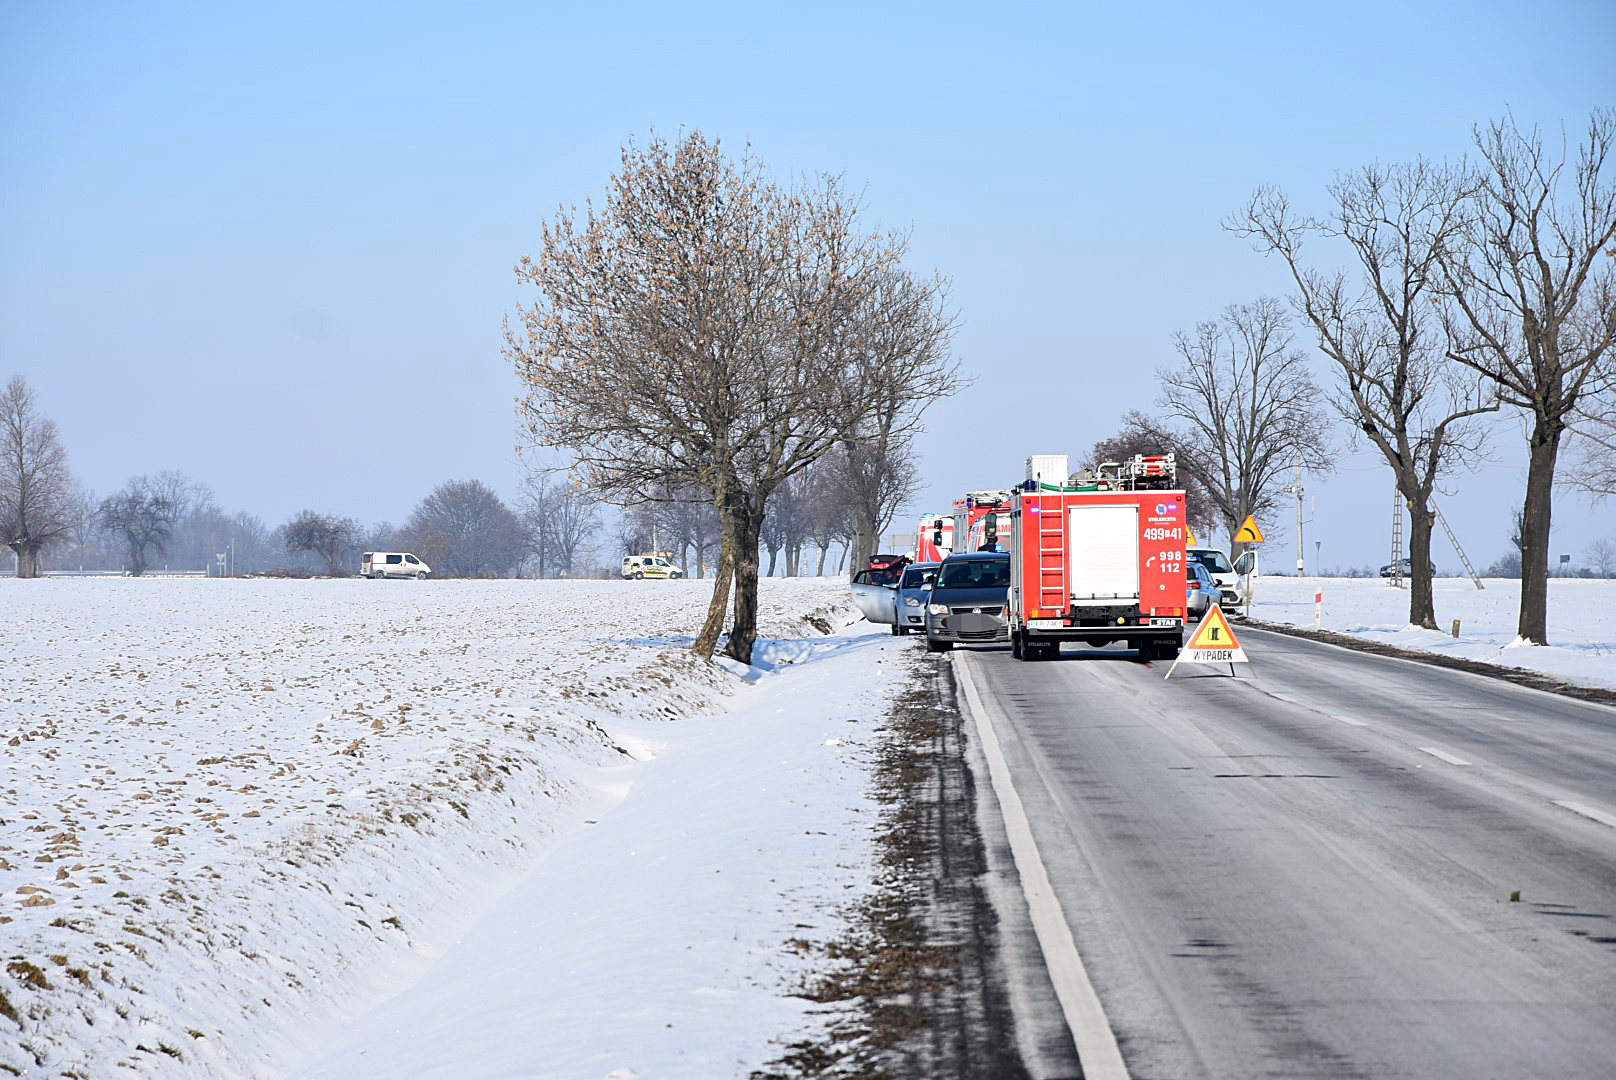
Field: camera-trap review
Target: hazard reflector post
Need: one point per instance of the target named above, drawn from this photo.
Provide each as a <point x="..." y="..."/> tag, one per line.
<point x="1318" y="609"/>
<point x="1212" y="643"/>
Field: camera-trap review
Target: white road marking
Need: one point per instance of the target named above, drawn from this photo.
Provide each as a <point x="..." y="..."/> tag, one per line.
<point x="1589" y="812"/>
<point x="1085" y="1017"/>
<point x="1282" y="697"/>
<point x="1443" y="754"/>
<point x="1349" y="720"/>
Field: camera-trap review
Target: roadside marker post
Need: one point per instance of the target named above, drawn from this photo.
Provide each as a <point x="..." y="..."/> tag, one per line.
<point x="1318" y="609"/>
<point x="1212" y="643"/>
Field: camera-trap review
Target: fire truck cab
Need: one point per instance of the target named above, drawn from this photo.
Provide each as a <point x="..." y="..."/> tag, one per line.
<point x="1098" y="557"/>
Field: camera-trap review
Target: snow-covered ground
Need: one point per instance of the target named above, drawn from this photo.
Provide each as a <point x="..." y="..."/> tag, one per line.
<point x="237" y="817"/>
<point x="1582" y="620"/>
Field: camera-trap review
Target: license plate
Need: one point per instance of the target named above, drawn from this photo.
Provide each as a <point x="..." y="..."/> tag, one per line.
<point x="1043" y="624"/>
<point x="1163" y="622"/>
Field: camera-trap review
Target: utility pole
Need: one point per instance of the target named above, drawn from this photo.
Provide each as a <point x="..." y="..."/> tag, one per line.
<point x="1295" y="488"/>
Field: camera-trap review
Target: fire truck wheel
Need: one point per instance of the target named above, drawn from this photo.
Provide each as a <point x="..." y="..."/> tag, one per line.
<point x="1015" y="647"/>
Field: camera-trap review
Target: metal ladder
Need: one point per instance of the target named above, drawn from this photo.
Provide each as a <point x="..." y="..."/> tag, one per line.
<point x="1454" y="540"/>
<point x="1052" y="594"/>
<point x="1397" y="540"/>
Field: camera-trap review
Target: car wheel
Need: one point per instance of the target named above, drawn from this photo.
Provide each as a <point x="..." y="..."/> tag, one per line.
<point x="897" y="631"/>
<point x="639" y="574"/>
<point x="420" y="575"/>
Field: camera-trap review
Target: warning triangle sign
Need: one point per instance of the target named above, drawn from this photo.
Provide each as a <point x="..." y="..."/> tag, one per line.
<point x="1248" y="533"/>
<point x="1190" y="533"/>
<point x="1212" y="643"/>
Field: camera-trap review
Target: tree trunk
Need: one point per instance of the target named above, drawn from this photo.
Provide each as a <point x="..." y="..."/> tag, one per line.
<point x="1534" y="619"/>
<point x="1421" y="602"/>
<point x="824" y="550"/>
<point x="743" y="633"/>
<point x="774" y="553"/>
<point x="717" y="608"/>
<point x="27" y="559"/>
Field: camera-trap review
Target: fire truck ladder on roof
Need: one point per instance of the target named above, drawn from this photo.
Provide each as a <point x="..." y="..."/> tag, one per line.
<point x="1052" y="595"/>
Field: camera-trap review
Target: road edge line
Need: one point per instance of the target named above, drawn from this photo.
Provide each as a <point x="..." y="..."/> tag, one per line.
<point x="1097" y="1050"/>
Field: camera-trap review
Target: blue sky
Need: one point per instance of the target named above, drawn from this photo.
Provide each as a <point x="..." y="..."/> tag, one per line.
<point x="272" y="247"/>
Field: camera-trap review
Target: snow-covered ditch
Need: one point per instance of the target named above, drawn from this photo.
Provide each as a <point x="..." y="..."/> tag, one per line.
<point x="1582" y="620"/>
<point x="237" y="815"/>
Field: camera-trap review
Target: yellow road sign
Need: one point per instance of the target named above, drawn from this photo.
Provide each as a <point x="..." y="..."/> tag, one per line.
<point x="1248" y="533"/>
<point x="1212" y="643"/>
<point x="1189" y="532"/>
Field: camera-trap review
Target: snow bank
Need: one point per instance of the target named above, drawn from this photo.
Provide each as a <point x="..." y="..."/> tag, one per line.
<point x="235" y="814"/>
<point x="1582" y="620"/>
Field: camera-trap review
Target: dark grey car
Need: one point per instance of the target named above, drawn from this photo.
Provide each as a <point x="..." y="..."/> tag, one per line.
<point x="966" y="605"/>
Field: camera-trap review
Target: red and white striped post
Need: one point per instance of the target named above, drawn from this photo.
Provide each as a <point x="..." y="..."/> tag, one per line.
<point x="1318" y="609"/>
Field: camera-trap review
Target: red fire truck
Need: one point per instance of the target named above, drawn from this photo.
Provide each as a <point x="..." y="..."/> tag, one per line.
<point x="934" y="539"/>
<point x="1099" y="558"/>
<point x="982" y="521"/>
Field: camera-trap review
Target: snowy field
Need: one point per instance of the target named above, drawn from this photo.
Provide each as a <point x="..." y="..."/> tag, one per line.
<point x="237" y="817"/>
<point x="1582" y="620"/>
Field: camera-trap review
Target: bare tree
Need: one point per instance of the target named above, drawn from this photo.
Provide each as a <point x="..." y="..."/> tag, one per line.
<point x="1535" y="308"/>
<point x="1383" y="329"/>
<point x="826" y="508"/>
<point x="1601" y="557"/>
<point x="875" y="478"/>
<point x="463" y="528"/>
<point x="144" y="514"/>
<point x="326" y="535"/>
<point x="1243" y="407"/>
<point x="1592" y="465"/>
<point x="249" y="538"/>
<point x="39" y="505"/>
<point x="707" y="327"/>
<point x="561" y="516"/>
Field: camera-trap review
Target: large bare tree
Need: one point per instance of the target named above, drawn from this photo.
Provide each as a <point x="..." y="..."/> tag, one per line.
<point x="39" y="505"/>
<point x="1382" y="327"/>
<point x="1244" y="408"/>
<point x="462" y="528"/>
<point x="1533" y="293"/>
<point x="144" y="514"/>
<point x="707" y="327"/>
<point x="329" y="536"/>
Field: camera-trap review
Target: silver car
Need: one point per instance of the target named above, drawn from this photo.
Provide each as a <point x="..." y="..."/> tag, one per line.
<point x="909" y="603"/>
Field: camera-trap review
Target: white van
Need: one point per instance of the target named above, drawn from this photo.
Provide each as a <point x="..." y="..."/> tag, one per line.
<point x="386" y="564"/>
<point x="650" y="566"/>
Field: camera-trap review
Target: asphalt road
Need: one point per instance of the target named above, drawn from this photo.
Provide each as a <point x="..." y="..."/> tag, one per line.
<point x="1306" y="870"/>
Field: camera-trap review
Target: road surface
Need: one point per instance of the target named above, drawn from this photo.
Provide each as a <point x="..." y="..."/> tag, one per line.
<point x="1308" y="869"/>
